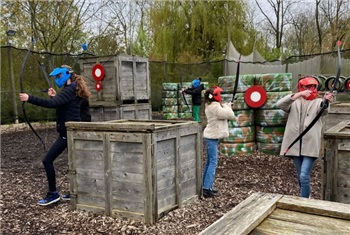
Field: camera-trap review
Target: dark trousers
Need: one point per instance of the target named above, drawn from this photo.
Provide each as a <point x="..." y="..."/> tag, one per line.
<point x="56" y="149"/>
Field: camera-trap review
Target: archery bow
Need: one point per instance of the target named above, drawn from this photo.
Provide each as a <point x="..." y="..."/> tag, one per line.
<point x="324" y="104"/>
<point x="22" y="91"/>
<point x="236" y="80"/>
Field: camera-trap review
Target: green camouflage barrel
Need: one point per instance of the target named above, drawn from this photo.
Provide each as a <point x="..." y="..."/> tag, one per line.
<point x="270" y="117"/>
<point x="170" y="86"/>
<point x="179" y="95"/>
<point x="181" y="101"/>
<point x="169" y="101"/>
<point x="168" y="116"/>
<point x="273" y="97"/>
<point x="329" y="83"/>
<point x="185" y="116"/>
<point x="170" y="109"/>
<point x="185" y="108"/>
<point x="240" y="135"/>
<point x="269" y="134"/>
<point x="169" y="94"/>
<point x="205" y="84"/>
<point x="269" y="148"/>
<point x="275" y="81"/>
<point x="321" y="82"/>
<point x="184" y="85"/>
<point x="243" y="118"/>
<point x="230" y="149"/>
<point x="238" y="103"/>
<point x="227" y="83"/>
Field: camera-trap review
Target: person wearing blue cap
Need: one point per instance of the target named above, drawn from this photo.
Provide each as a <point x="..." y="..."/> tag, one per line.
<point x="196" y="92"/>
<point x="71" y="104"/>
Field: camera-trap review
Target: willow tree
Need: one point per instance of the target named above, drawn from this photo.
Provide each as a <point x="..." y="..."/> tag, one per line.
<point x="197" y="30"/>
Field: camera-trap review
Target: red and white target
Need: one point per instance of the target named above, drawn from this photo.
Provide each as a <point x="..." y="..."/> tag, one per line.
<point x="347" y="84"/>
<point x="98" y="72"/>
<point x="98" y="86"/>
<point x="255" y="96"/>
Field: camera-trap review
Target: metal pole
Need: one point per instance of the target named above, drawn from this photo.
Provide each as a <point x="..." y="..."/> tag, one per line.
<point x="13" y="87"/>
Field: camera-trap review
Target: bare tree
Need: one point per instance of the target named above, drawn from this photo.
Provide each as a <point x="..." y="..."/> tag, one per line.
<point x="276" y="23"/>
<point x="337" y="14"/>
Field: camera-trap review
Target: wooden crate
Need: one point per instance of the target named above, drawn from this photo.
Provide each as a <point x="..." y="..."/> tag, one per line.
<point x="109" y="112"/>
<point x="336" y="164"/>
<point x="338" y="112"/>
<point x="134" y="169"/>
<point x="126" y="78"/>
<point x="266" y="213"/>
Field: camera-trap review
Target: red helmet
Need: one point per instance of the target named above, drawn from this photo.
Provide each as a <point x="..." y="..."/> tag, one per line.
<point x="217" y="94"/>
<point x="308" y="83"/>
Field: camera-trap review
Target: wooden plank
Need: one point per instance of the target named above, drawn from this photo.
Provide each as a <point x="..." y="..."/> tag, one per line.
<point x="245" y="216"/>
<point x="343" y="195"/>
<point x="178" y="168"/>
<point x="278" y="227"/>
<point x="149" y="182"/>
<point x="199" y="161"/>
<point x="313" y="206"/>
<point x="341" y="130"/>
<point x="108" y="173"/>
<point x="322" y="223"/>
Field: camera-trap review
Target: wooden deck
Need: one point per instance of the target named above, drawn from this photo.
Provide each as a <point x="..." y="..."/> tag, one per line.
<point x="265" y="213"/>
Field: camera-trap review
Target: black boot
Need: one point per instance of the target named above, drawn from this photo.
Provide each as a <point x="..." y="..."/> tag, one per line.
<point x="208" y="193"/>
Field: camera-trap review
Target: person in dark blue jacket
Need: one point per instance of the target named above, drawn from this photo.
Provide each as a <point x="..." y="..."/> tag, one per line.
<point x="196" y="92"/>
<point x="71" y="104"/>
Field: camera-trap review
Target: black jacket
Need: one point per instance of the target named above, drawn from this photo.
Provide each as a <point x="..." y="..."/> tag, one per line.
<point x="85" y="115"/>
<point x="196" y="94"/>
<point x="66" y="103"/>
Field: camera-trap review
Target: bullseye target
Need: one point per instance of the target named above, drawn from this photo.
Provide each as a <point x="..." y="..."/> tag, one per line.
<point x="255" y="96"/>
<point x="347" y="84"/>
<point x="98" y="86"/>
<point x="98" y="72"/>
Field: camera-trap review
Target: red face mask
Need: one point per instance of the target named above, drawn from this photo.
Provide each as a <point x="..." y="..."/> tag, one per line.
<point x="308" y="83"/>
<point x="217" y="94"/>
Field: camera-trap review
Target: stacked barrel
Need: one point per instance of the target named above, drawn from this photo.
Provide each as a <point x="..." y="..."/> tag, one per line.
<point x="241" y="138"/>
<point x="270" y="121"/>
<point x="175" y="103"/>
<point x="259" y="128"/>
<point x="170" y="100"/>
<point x="184" y="101"/>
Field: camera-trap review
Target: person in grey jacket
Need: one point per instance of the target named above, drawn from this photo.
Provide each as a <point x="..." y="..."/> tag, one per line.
<point x="302" y="107"/>
<point x="217" y="115"/>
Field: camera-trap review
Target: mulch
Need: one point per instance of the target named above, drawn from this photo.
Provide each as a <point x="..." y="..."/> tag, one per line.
<point x="23" y="183"/>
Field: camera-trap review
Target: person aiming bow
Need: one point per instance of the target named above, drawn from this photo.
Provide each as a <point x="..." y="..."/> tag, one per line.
<point x="196" y="92"/>
<point x="71" y="104"/>
<point x="302" y="108"/>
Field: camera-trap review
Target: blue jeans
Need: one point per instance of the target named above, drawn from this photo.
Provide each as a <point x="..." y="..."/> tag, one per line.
<point x="211" y="163"/>
<point x="303" y="165"/>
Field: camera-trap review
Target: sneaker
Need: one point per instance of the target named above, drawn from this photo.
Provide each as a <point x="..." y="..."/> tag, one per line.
<point x="65" y="197"/>
<point x="51" y="197"/>
<point x="208" y="193"/>
<point x="214" y="190"/>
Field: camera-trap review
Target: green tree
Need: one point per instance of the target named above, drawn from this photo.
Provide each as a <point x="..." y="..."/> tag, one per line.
<point x="197" y="28"/>
<point x="57" y="26"/>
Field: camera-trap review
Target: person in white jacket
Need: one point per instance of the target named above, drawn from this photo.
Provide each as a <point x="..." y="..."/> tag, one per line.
<point x="302" y="107"/>
<point x="217" y="115"/>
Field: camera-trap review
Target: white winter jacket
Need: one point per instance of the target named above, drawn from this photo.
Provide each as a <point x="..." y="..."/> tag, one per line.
<point x="217" y="116"/>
